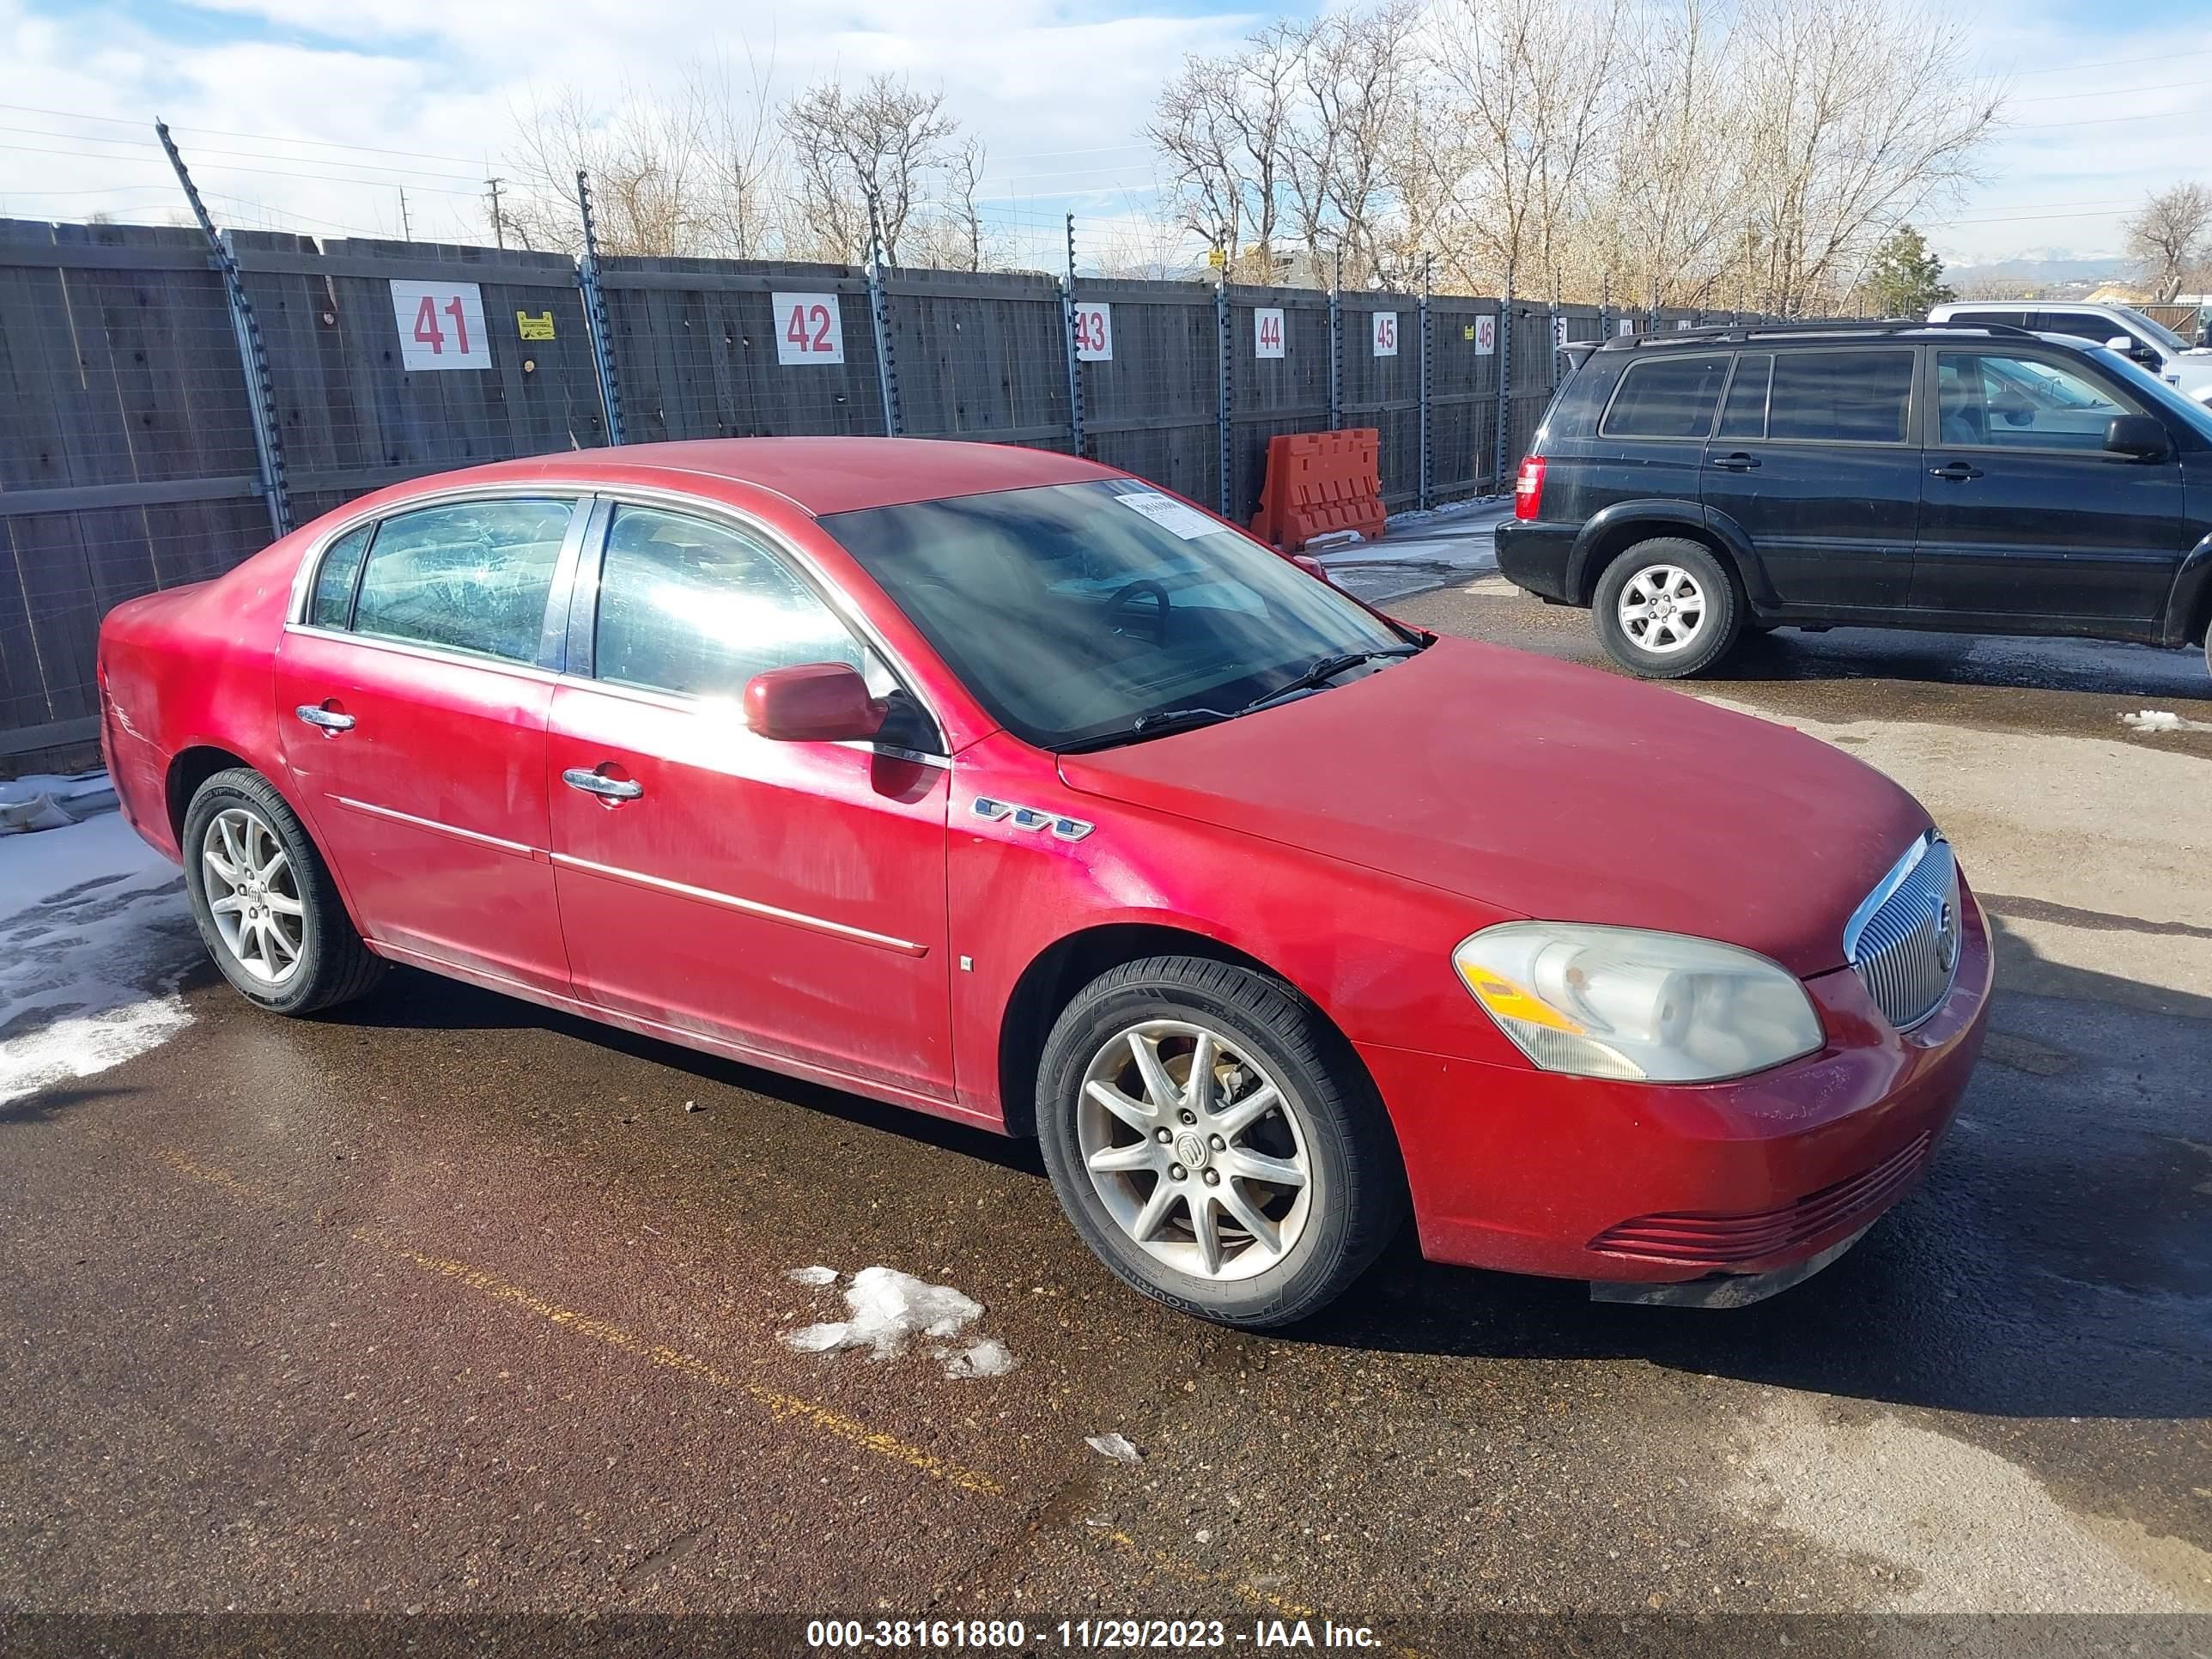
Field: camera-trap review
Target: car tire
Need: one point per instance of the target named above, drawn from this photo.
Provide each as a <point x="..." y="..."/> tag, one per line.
<point x="1287" y="1098"/>
<point x="268" y="911"/>
<point x="1667" y="610"/>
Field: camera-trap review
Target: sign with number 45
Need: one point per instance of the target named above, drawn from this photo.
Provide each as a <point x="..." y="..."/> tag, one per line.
<point x="441" y="326"/>
<point x="808" y="328"/>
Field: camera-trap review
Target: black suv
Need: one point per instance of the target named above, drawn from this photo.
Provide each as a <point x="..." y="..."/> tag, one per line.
<point x="1974" y="479"/>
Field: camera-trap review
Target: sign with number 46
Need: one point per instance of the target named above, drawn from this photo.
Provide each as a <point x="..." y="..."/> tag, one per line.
<point x="808" y="328"/>
<point x="441" y="326"/>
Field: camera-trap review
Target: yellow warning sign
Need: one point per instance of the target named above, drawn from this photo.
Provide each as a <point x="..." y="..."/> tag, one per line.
<point x="1470" y="331"/>
<point x="539" y="327"/>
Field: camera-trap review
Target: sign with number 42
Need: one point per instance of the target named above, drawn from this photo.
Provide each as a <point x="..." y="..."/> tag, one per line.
<point x="441" y="326"/>
<point x="808" y="328"/>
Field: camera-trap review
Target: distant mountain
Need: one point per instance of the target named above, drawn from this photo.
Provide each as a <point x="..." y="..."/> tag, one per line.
<point x="2038" y="269"/>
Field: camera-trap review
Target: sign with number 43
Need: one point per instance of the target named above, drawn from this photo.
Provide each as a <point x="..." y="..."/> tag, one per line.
<point x="808" y="328"/>
<point x="441" y="326"/>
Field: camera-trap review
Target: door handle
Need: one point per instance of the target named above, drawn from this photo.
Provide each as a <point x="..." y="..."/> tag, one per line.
<point x="606" y="788"/>
<point x="1956" y="473"/>
<point x="328" y="720"/>
<point x="1735" y="463"/>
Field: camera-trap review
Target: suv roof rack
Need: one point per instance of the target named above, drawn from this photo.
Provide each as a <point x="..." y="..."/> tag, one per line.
<point x="1712" y="333"/>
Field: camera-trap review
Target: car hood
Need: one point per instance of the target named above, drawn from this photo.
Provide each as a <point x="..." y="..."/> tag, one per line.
<point x="1550" y="790"/>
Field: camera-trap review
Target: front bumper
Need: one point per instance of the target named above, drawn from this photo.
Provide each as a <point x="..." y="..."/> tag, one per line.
<point x="1628" y="1184"/>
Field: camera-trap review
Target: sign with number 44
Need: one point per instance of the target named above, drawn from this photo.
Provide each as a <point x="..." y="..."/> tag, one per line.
<point x="1268" y="331"/>
<point x="808" y="328"/>
<point x="441" y="326"/>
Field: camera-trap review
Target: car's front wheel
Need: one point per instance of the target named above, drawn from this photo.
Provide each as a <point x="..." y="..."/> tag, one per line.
<point x="1215" y="1142"/>
<point x="1666" y="609"/>
<point x="266" y="906"/>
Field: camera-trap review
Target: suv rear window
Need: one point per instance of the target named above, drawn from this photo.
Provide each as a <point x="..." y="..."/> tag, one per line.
<point x="1670" y="397"/>
<point x="1840" y="397"/>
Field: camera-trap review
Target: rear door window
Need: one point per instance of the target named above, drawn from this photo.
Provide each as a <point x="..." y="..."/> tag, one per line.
<point x="1841" y="397"/>
<point x="1670" y="397"/>
<point x="2013" y="319"/>
<point x="1744" y="414"/>
<point x="470" y="577"/>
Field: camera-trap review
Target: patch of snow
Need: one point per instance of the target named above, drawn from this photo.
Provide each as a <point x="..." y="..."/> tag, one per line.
<point x="94" y="936"/>
<point x="988" y="1358"/>
<point x="2161" y="719"/>
<point x="21" y="817"/>
<point x="1119" y="1447"/>
<point x="889" y="1309"/>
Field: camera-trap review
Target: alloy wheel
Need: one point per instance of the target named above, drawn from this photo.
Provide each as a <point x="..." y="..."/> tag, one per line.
<point x="1662" y="610"/>
<point x="1195" y="1152"/>
<point x="253" y="895"/>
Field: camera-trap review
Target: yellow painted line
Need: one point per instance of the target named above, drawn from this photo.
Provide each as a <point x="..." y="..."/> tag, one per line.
<point x="781" y="1407"/>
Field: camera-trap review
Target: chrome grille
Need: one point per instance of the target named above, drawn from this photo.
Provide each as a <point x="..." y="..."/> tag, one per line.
<point x="1904" y="938"/>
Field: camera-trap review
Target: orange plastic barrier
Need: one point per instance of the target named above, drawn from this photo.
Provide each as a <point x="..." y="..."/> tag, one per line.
<point x="1318" y="483"/>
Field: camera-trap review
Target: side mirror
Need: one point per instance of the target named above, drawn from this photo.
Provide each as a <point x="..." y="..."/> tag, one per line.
<point x="2122" y="343"/>
<point x="813" y="702"/>
<point x="2138" y="437"/>
<point x="1312" y="567"/>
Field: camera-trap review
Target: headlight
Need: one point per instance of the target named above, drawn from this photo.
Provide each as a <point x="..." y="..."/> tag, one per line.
<point x="1618" y="1002"/>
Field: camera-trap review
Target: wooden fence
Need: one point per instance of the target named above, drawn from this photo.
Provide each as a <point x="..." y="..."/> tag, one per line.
<point x="131" y="390"/>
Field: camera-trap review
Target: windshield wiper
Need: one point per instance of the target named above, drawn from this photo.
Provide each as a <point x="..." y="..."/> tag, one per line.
<point x="1156" y="725"/>
<point x="1322" y="670"/>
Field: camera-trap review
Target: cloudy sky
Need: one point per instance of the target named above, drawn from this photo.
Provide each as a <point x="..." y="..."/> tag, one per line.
<point x="312" y="117"/>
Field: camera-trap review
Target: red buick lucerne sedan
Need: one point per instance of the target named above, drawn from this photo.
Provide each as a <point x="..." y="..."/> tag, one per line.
<point x="1004" y="786"/>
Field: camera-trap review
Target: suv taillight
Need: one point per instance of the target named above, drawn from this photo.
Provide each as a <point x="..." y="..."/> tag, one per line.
<point x="1528" y="489"/>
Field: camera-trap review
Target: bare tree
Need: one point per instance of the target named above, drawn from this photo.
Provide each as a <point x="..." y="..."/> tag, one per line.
<point x="886" y="142"/>
<point x="1530" y="112"/>
<point x="1219" y="126"/>
<point x="1853" y="120"/>
<point x="694" y="171"/>
<point x="2170" y="235"/>
<point x="1356" y="81"/>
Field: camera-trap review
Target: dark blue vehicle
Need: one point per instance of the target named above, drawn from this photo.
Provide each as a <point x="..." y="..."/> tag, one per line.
<point x="1973" y="478"/>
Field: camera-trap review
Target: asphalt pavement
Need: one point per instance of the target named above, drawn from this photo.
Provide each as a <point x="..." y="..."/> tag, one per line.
<point x="444" y="1304"/>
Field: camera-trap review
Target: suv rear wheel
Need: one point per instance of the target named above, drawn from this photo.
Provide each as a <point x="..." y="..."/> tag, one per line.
<point x="1667" y="609"/>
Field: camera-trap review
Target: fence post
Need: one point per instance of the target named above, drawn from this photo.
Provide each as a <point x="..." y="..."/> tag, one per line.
<point x="1605" y="308"/>
<point x="1552" y="333"/>
<point x="1067" y="330"/>
<point x="253" y="352"/>
<point x="595" y="314"/>
<point x="1422" y="497"/>
<point x="1504" y="379"/>
<point x="879" y="323"/>
<point x="1336" y="345"/>
<point x="1224" y="349"/>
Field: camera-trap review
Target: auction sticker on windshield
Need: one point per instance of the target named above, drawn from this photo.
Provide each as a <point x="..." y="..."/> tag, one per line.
<point x="1187" y="522"/>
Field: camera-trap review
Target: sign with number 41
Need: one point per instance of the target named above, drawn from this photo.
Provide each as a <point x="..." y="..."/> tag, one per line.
<point x="808" y="328"/>
<point x="441" y="326"/>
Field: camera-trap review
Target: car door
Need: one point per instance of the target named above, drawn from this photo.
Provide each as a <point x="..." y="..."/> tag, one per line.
<point x="785" y="898"/>
<point x="1815" y="460"/>
<point x="2025" y="516"/>
<point x="413" y="700"/>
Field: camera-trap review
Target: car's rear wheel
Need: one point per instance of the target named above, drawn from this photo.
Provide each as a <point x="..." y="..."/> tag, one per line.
<point x="1667" y="609"/>
<point x="1216" y="1144"/>
<point x="266" y="906"/>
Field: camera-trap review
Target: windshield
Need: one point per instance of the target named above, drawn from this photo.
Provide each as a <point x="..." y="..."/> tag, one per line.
<point x="2169" y="397"/>
<point x="1072" y="611"/>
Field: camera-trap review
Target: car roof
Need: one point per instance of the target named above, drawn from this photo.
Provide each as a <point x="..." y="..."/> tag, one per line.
<point x="821" y="475"/>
